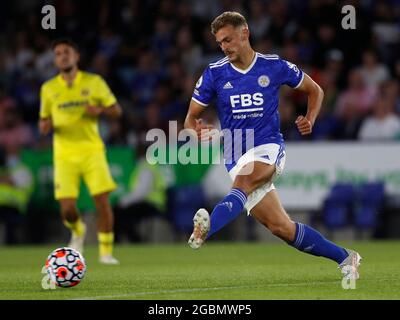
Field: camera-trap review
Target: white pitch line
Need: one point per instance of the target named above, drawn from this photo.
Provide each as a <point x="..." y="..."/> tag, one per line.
<point x="147" y="293"/>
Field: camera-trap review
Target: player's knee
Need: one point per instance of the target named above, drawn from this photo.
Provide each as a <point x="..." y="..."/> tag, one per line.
<point x="69" y="212"/>
<point x="245" y="183"/>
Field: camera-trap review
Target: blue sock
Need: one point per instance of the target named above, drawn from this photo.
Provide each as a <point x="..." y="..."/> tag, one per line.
<point x="311" y="241"/>
<point x="227" y="210"/>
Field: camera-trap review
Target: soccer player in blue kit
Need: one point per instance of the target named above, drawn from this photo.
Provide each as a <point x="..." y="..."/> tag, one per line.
<point x="246" y="86"/>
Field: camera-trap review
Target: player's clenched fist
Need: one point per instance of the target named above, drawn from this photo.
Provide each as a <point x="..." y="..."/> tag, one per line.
<point x="204" y="131"/>
<point x="303" y="125"/>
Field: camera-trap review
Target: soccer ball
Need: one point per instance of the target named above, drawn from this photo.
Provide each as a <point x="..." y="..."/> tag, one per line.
<point x="66" y="267"/>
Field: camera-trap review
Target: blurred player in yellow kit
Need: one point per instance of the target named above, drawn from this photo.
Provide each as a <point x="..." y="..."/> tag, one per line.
<point x="71" y="104"/>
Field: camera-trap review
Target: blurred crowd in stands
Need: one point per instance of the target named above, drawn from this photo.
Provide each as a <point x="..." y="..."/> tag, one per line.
<point x="152" y="52"/>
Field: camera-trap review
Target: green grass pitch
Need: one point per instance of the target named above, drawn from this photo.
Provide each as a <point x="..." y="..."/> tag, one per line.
<point x="216" y="271"/>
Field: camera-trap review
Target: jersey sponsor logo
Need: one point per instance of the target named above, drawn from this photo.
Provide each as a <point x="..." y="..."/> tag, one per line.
<point x="199" y="82"/>
<point x="250" y="115"/>
<point x="85" y="92"/>
<point x="228" y="85"/>
<point x="263" y="81"/>
<point x="246" y="100"/>
<point x="73" y="104"/>
<point x="294" y="67"/>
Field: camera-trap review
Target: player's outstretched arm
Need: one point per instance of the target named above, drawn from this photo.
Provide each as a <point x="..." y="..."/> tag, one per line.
<point x="45" y="125"/>
<point x="193" y="120"/>
<point x="315" y="97"/>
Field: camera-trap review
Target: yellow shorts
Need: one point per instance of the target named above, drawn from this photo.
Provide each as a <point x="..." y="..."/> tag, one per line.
<point x="91" y="166"/>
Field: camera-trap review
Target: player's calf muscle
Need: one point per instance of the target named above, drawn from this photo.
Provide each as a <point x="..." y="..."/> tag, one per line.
<point x="285" y="231"/>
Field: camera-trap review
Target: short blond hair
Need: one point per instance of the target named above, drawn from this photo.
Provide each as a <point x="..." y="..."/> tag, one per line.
<point x="232" y="18"/>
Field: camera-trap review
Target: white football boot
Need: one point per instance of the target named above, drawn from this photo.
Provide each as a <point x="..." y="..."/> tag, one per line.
<point x="108" y="259"/>
<point x="349" y="266"/>
<point x="201" y="226"/>
<point x="77" y="242"/>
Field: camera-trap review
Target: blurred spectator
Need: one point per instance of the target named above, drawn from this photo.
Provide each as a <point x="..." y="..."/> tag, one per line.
<point x="108" y="43"/>
<point x="354" y="104"/>
<point x="386" y="30"/>
<point x="14" y="133"/>
<point x="373" y="72"/>
<point x="259" y="21"/>
<point x="334" y="67"/>
<point x="383" y="124"/>
<point x="325" y="41"/>
<point x="16" y="185"/>
<point x="358" y="97"/>
<point x="189" y="51"/>
<point x="161" y="40"/>
<point x="6" y="102"/>
<point x="290" y="52"/>
<point x="146" y="78"/>
<point x="100" y="65"/>
<point x="176" y="73"/>
<point x="280" y="27"/>
<point x="205" y="9"/>
<point x="148" y="49"/>
<point x="305" y="45"/>
<point x="44" y="64"/>
<point x="21" y="55"/>
<point x="391" y="90"/>
<point x="153" y="118"/>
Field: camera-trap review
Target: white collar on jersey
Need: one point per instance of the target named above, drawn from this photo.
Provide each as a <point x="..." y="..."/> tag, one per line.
<point x="248" y="68"/>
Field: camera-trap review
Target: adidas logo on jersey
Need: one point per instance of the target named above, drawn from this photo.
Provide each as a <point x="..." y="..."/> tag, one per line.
<point x="228" y="85"/>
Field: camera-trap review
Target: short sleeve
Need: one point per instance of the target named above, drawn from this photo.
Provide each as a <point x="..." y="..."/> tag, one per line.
<point x="292" y="75"/>
<point x="103" y="93"/>
<point x="45" y="103"/>
<point x="204" y="91"/>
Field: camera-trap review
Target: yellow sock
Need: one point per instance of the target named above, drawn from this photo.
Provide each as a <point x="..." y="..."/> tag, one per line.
<point x="106" y="241"/>
<point x="77" y="228"/>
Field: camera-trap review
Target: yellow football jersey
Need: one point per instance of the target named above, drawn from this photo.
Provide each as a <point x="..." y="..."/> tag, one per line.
<point x="74" y="130"/>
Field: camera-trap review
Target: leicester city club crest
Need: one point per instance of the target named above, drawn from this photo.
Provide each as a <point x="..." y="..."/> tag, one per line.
<point x="263" y="81"/>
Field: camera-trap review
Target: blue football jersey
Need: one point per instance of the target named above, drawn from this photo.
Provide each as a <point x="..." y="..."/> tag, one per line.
<point x="247" y="100"/>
